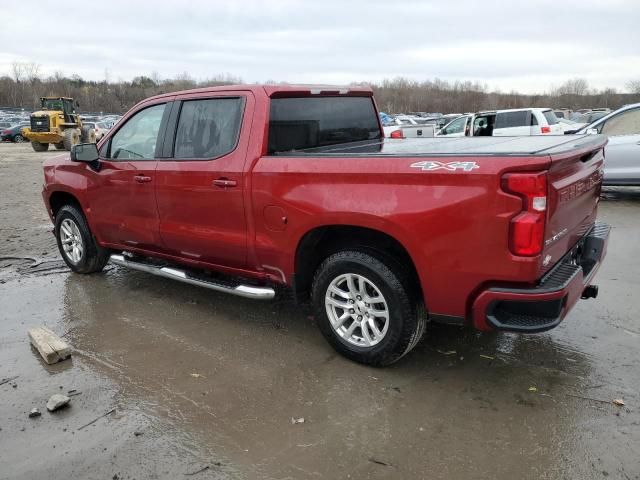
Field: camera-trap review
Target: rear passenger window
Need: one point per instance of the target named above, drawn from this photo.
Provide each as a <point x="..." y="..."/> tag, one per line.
<point x="308" y="122"/>
<point x="550" y="116"/>
<point x="208" y="128"/>
<point x="513" y="119"/>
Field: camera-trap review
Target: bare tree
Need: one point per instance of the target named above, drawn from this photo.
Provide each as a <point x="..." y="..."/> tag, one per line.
<point x="575" y="86"/>
<point x="633" y="86"/>
<point x="25" y="85"/>
<point x="18" y="71"/>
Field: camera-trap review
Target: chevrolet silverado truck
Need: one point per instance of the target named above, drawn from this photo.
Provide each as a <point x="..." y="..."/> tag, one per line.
<point x="253" y="189"/>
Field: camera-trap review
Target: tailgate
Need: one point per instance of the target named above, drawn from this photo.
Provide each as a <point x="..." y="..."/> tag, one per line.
<point x="574" y="183"/>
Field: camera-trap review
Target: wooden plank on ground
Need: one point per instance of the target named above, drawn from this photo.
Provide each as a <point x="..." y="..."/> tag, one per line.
<point x="51" y="347"/>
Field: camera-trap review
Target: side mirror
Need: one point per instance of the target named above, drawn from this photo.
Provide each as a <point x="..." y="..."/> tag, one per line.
<point x="77" y="104"/>
<point x="84" y="152"/>
<point x="592" y="131"/>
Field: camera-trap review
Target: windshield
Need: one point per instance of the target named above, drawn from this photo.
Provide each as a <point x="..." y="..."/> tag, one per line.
<point x="52" y="104"/>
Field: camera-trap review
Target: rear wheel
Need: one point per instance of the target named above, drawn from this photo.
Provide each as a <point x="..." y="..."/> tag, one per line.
<point x="18" y="138"/>
<point x="78" y="247"/>
<point x="364" y="308"/>
<point x="59" y="146"/>
<point x="71" y="136"/>
<point x="40" y="147"/>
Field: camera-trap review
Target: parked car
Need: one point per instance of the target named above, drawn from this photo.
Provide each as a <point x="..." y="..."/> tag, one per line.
<point x="563" y="113"/>
<point x="458" y="127"/>
<point x="406" y="126"/>
<point x="13" y="134"/>
<point x="100" y="128"/>
<point x="622" y="166"/>
<point x="569" y="125"/>
<point x="371" y="231"/>
<point x="590" y="117"/>
<point x="505" y="123"/>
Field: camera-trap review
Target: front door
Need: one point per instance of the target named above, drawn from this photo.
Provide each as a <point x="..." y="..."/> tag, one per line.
<point x="199" y="189"/>
<point x="123" y="205"/>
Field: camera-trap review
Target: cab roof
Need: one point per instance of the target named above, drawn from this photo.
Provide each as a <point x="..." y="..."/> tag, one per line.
<point x="277" y="90"/>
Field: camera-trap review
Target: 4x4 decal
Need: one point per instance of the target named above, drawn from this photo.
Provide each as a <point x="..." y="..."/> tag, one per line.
<point x="429" y="166"/>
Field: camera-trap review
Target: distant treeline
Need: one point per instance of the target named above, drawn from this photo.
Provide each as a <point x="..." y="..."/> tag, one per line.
<point x="25" y="86"/>
<point x="402" y="95"/>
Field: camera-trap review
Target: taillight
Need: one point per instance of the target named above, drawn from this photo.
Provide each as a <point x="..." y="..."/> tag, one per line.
<point x="6" y="132"/>
<point x="526" y="232"/>
<point x="546" y="129"/>
<point x="396" y="134"/>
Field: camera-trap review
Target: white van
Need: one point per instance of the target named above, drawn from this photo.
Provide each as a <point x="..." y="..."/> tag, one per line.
<point x="505" y="123"/>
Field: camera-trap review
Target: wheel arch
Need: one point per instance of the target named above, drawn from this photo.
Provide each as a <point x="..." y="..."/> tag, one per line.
<point x="321" y="241"/>
<point x="60" y="198"/>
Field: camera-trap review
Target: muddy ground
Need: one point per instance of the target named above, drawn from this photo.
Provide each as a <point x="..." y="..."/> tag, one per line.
<point x="207" y="384"/>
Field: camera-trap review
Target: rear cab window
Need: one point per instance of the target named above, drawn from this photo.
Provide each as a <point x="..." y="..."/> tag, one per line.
<point x="300" y="123"/>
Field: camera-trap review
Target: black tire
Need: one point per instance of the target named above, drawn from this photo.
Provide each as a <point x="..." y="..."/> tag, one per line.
<point x="70" y="137"/>
<point x="88" y="135"/>
<point x="18" y="138"/>
<point x="59" y="146"/>
<point x="40" y="147"/>
<point x="405" y="326"/>
<point x="94" y="257"/>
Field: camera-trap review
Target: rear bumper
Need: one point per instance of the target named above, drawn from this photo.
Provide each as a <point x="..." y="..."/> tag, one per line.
<point x="540" y="308"/>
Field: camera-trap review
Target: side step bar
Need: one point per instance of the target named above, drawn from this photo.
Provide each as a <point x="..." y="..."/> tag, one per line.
<point x="247" y="291"/>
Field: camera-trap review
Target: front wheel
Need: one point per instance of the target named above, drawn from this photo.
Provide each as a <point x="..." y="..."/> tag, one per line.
<point x="88" y="135"/>
<point x="18" y="138"/>
<point x="70" y="137"/>
<point x="39" y="147"/>
<point x="364" y="308"/>
<point x="78" y="247"/>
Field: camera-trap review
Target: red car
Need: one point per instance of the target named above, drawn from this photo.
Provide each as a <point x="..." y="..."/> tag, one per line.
<point x="245" y="189"/>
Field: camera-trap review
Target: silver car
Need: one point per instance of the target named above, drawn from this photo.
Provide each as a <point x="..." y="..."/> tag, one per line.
<point x="622" y="153"/>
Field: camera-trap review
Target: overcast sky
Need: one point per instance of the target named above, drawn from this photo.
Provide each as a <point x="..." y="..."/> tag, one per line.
<point x="530" y="46"/>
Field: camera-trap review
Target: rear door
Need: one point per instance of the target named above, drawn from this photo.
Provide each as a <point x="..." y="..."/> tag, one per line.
<point x="512" y="123"/>
<point x="123" y="206"/>
<point x="200" y="184"/>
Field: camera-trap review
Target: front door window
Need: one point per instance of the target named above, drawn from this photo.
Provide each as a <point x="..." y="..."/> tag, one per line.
<point x="136" y="139"/>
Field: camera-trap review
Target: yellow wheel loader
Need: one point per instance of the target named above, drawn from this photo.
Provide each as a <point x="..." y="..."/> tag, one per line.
<point x="57" y="123"/>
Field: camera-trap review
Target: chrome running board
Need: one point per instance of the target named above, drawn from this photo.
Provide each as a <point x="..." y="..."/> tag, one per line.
<point x="246" y="291"/>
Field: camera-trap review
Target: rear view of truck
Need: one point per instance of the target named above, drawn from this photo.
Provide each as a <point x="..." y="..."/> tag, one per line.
<point x="557" y="226"/>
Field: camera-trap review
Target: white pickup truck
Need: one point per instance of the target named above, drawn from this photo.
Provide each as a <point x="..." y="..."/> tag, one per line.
<point x="405" y="126"/>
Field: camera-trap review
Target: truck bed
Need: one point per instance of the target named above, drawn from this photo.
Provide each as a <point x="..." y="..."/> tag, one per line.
<point x="459" y="146"/>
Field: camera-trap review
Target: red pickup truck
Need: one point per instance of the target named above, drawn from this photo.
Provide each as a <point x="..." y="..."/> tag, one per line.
<point x="245" y="189"/>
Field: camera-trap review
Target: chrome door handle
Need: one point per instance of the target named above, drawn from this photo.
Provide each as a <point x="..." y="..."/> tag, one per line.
<point x="224" y="182"/>
<point x="142" y="179"/>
